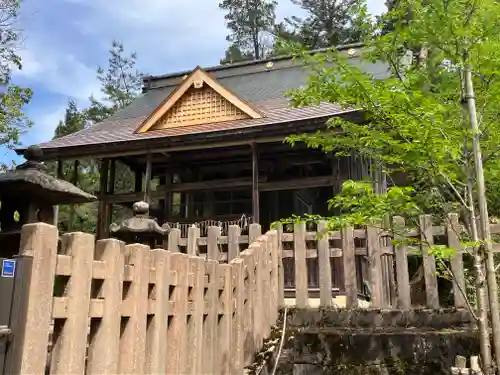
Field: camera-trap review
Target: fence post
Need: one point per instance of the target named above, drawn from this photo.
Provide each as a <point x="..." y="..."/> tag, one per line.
<point x="375" y="261"/>
<point x="403" y="277"/>
<point x="281" y="271"/>
<point x="272" y="238"/>
<point x="192" y="243"/>
<point x="157" y="335"/>
<point x="211" y="312"/>
<point x="237" y="327"/>
<point x="349" y="261"/>
<point x="325" y="268"/>
<point x="262" y="278"/>
<point x="301" y="286"/>
<point x="104" y="346"/>
<point x="249" y="293"/>
<point x="429" y="262"/>
<point x="173" y="240"/>
<point x="70" y="347"/>
<point x="233" y="242"/>
<point x="40" y="242"/>
<point x="176" y="333"/>
<point x="213" y="236"/>
<point x="225" y="321"/>
<point x="196" y="308"/>
<point x="135" y="309"/>
<point x="254" y="231"/>
<point x="453" y="230"/>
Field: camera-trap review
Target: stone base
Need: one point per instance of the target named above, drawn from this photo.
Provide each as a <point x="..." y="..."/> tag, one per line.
<point x="376" y="342"/>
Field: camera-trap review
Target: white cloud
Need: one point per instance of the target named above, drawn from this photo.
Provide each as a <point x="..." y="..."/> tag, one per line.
<point x="46" y="123"/>
<point x="286" y="8"/>
<point x="46" y="120"/>
<point x="376" y="7"/>
<point x="57" y="71"/>
<point x="168" y="36"/>
<point x="164" y="33"/>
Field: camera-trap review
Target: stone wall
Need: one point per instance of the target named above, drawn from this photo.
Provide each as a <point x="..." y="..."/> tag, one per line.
<point x="366" y="342"/>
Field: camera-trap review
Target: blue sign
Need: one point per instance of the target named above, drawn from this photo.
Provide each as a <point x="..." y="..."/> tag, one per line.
<point x="8" y="268"/>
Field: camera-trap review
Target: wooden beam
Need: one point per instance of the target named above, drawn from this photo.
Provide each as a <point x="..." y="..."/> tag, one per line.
<point x="147" y="177"/>
<point x="111" y="190"/>
<point x="227" y="184"/>
<point x="101" y="211"/>
<point x="138" y="181"/>
<point x="61" y="177"/>
<point x="193" y="147"/>
<point x="255" y="184"/>
<point x="74" y="181"/>
<point x="60" y="173"/>
<point x="168" y="196"/>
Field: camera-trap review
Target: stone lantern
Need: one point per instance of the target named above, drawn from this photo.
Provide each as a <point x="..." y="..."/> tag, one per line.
<point x="141" y="228"/>
<point x="28" y="194"/>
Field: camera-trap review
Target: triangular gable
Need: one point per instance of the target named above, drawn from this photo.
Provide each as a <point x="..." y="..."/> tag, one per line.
<point x="199" y="99"/>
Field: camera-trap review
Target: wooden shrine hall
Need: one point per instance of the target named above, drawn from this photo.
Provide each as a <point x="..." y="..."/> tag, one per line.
<point x="208" y="144"/>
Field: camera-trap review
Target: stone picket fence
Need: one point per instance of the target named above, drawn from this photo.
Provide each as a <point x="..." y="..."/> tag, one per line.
<point x="205" y="306"/>
<point x="129" y="309"/>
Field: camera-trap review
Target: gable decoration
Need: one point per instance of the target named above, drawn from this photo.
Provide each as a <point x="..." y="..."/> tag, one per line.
<point x="199" y="99"/>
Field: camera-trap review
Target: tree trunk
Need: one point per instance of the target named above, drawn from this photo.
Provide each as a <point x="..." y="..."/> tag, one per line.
<point x="480" y="281"/>
<point x="483" y="216"/>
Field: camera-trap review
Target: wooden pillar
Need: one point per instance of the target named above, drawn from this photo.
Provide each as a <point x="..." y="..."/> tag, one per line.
<point x="61" y="177"/>
<point x="255" y="185"/>
<point x="74" y="181"/>
<point x="101" y="212"/>
<point x="111" y="190"/>
<point x="379" y="180"/>
<point x="147" y="178"/>
<point x="168" y="196"/>
<point x="138" y="181"/>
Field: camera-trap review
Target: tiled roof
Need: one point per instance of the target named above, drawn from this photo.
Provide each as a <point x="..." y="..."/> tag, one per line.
<point x="263" y="88"/>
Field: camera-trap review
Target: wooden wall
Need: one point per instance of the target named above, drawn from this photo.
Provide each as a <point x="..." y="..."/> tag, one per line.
<point x="268" y="182"/>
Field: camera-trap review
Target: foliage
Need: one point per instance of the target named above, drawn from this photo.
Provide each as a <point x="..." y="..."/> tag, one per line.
<point x="121" y="83"/>
<point x="326" y="24"/>
<point x="84" y="216"/>
<point x="413" y="119"/>
<point x="250" y="23"/>
<point x="416" y="123"/>
<point x="13" y="98"/>
<point x="233" y="55"/>
<point x="74" y="121"/>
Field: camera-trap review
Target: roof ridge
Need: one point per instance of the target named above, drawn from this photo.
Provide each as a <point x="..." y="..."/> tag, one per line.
<point x="176" y="83"/>
<point x="219" y="67"/>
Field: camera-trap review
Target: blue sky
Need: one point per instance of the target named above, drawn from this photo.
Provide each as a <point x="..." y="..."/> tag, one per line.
<point x="65" y="41"/>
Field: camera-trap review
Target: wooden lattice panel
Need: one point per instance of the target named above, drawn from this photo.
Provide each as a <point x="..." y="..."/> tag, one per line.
<point x="200" y="106"/>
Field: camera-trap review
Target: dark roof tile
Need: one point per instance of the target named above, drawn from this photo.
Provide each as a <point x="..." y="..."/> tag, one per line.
<point x="263" y="89"/>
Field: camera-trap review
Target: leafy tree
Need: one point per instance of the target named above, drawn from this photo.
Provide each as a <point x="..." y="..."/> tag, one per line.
<point x="12" y="97"/>
<point x="234" y="55"/>
<point x="420" y="122"/>
<point x="284" y="35"/>
<point x="250" y="23"/>
<point x="81" y="217"/>
<point x="74" y="121"/>
<point x="121" y="83"/>
<point x="327" y="23"/>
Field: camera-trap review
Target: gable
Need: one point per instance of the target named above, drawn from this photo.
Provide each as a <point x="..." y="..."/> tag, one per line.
<point x="200" y="106"/>
<point x="199" y="99"/>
